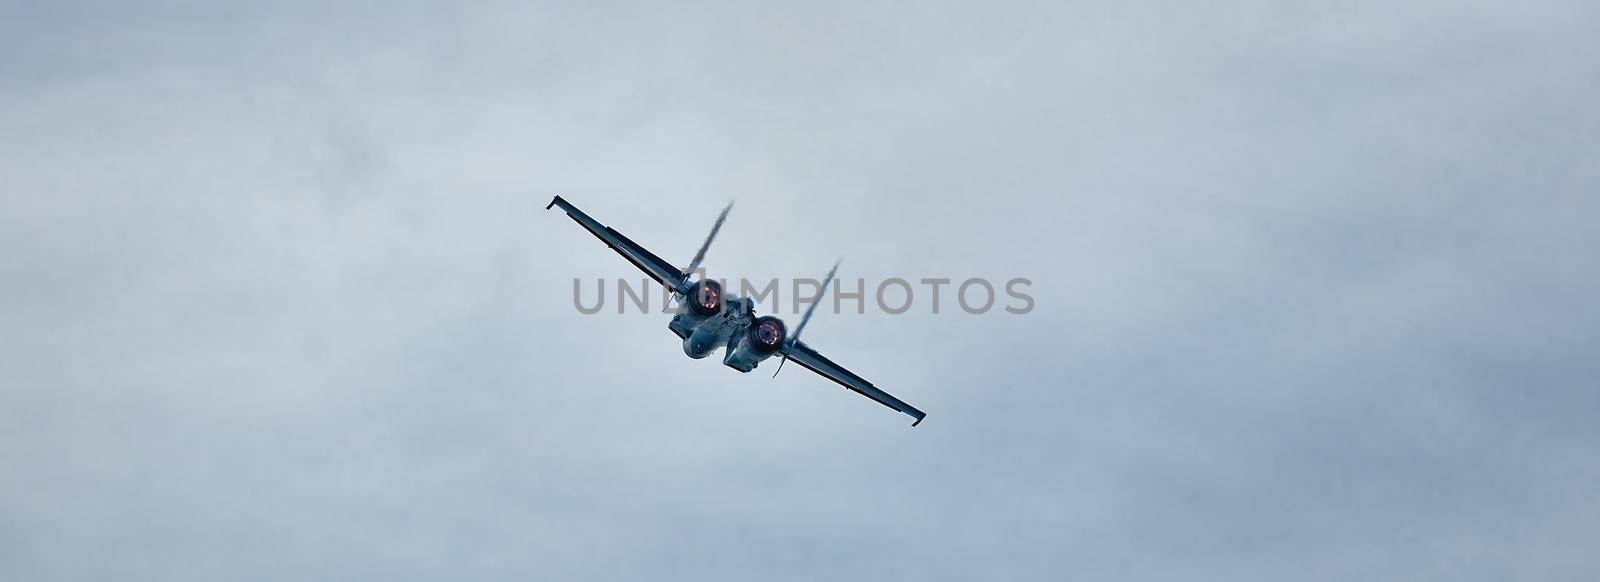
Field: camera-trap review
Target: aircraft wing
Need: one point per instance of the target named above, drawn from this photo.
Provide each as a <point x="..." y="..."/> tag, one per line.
<point x="802" y="354"/>
<point x="652" y="265"/>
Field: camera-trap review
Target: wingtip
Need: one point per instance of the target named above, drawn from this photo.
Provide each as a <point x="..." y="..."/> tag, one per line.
<point x="553" y="202"/>
<point x="919" y="420"/>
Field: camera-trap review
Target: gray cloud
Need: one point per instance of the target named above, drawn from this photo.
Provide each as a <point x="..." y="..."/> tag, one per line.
<point x="1314" y="291"/>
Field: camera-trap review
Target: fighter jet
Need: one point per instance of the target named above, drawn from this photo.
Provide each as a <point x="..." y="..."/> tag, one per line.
<point x="709" y="317"/>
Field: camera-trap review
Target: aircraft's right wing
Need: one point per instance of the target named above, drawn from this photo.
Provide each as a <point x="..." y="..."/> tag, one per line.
<point x="652" y="265"/>
<point x="802" y="354"/>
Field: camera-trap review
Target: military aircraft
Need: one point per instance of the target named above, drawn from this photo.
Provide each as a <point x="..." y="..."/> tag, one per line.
<point x="709" y="318"/>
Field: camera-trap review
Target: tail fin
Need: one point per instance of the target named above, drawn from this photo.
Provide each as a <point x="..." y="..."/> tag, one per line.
<point x="701" y="254"/>
<point x="804" y="319"/>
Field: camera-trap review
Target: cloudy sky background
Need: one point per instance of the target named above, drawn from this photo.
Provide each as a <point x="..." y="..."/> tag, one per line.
<point x="1316" y="291"/>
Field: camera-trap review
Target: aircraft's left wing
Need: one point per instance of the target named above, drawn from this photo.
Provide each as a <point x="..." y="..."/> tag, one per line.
<point x="652" y="265"/>
<point x="802" y="354"/>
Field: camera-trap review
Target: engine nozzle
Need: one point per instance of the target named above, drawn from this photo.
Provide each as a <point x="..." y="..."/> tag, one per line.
<point x="705" y="298"/>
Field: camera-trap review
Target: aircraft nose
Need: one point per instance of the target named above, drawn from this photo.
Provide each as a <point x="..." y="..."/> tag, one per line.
<point x="699" y="344"/>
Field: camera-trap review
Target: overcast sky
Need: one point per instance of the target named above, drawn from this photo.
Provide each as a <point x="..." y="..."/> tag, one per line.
<point x="1316" y="291"/>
